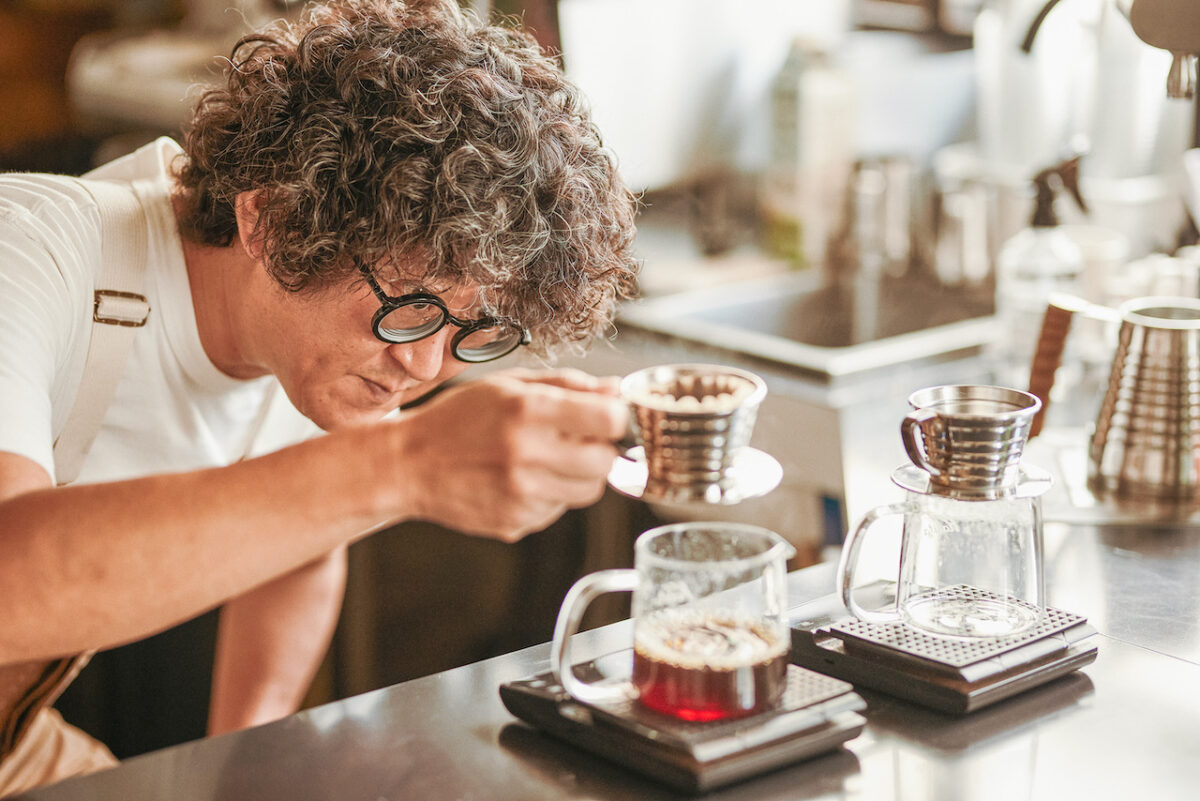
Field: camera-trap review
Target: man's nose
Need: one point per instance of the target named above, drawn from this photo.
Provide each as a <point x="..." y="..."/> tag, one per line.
<point x="424" y="358"/>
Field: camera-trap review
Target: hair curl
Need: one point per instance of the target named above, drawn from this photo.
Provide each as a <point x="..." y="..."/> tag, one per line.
<point x="390" y="131"/>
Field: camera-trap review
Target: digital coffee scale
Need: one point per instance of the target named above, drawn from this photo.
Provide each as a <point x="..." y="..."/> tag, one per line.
<point x="955" y="675"/>
<point x="816" y="715"/>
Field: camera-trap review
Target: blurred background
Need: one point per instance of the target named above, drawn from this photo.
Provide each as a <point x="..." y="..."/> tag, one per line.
<point x="888" y="146"/>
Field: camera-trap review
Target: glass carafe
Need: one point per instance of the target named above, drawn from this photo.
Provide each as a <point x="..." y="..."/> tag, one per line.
<point x="969" y="567"/>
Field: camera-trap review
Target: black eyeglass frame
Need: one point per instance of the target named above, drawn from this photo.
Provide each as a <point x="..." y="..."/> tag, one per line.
<point x="389" y="303"/>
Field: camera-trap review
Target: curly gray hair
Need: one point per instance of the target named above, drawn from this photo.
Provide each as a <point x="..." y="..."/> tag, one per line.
<point x="389" y="131"/>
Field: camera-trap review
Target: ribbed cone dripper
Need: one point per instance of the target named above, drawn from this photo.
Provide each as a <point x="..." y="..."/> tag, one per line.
<point x="969" y="437"/>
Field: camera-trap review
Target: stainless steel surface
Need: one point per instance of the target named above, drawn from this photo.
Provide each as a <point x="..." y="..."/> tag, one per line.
<point x="1126" y="727"/>
<point x="1140" y="584"/>
<point x="828" y="330"/>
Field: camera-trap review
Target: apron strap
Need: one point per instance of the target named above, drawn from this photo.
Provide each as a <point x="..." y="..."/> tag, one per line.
<point x="119" y="310"/>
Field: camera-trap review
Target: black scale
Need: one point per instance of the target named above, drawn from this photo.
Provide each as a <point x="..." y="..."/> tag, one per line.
<point x="955" y="675"/>
<point x="816" y="715"/>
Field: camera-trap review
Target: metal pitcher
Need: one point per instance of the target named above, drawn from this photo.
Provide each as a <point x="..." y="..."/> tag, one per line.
<point x="1146" y="440"/>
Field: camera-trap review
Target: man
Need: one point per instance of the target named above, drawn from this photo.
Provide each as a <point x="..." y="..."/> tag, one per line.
<point x="378" y="196"/>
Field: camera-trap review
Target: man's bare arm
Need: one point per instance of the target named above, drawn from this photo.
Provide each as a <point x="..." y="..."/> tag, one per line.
<point x="270" y="643"/>
<point x="98" y="565"/>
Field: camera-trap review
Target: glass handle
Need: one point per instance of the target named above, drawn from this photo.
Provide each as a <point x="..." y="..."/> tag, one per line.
<point x="576" y="602"/>
<point x="849" y="564"/>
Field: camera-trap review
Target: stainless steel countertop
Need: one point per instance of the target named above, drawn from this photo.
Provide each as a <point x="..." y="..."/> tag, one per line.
<point x="1126" y="726"/>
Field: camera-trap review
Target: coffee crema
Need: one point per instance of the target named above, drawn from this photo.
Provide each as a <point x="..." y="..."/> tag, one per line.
<point x="701" y="665"/>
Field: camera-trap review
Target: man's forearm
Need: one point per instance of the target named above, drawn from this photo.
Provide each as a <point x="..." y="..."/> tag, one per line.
<point x="186" y="542"/>
<point x="271" y="642"/>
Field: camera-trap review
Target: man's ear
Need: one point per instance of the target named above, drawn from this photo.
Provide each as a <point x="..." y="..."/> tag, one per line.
<point x="246" y="208"/>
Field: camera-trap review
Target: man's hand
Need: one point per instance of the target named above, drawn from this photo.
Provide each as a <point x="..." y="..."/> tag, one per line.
<point x="508" y="454"/>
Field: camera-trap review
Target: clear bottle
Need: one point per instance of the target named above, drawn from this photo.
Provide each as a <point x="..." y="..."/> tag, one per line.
<point x="1031" y="266"/>
<point x="813" y="113"/>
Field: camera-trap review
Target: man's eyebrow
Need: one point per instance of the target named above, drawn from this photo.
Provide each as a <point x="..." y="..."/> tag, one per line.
<point x="404" y="283"/>
<point x="396" y="283"/>
<point x="476" y="308"/>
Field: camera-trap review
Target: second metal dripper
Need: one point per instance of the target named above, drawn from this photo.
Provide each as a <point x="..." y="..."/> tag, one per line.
<point x="969" y="438"/>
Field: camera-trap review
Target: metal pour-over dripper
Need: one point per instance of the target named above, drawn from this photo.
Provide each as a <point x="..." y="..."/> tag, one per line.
<point x="966" y="441"/>
<point x="691" y="429"/>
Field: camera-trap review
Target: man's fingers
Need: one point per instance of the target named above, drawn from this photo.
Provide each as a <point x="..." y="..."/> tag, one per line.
<point x="568" y="378"/>
<point x="526" y="450"/>
<point x="576" y="414"/>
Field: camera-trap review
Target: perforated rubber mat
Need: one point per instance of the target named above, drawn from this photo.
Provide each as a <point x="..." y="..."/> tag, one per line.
<point x="954" y="652"/>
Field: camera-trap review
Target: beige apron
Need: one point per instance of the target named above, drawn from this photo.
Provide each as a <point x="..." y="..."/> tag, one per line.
<point x="37" y="746"/>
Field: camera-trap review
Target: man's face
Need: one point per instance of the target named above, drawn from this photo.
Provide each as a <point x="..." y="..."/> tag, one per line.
<point x="333" y="368"/>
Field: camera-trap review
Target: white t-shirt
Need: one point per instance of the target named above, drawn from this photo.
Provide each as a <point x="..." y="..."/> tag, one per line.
<point x="173" y="409"/>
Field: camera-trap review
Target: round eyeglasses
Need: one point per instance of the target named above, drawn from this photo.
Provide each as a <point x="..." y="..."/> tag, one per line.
<point x="414" y="316"/>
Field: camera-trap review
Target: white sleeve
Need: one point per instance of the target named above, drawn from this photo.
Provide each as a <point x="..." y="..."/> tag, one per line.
<point x="46" y="276"/>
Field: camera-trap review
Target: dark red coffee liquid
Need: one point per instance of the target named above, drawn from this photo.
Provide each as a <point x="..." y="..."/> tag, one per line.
<point x="692" y="669"/>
